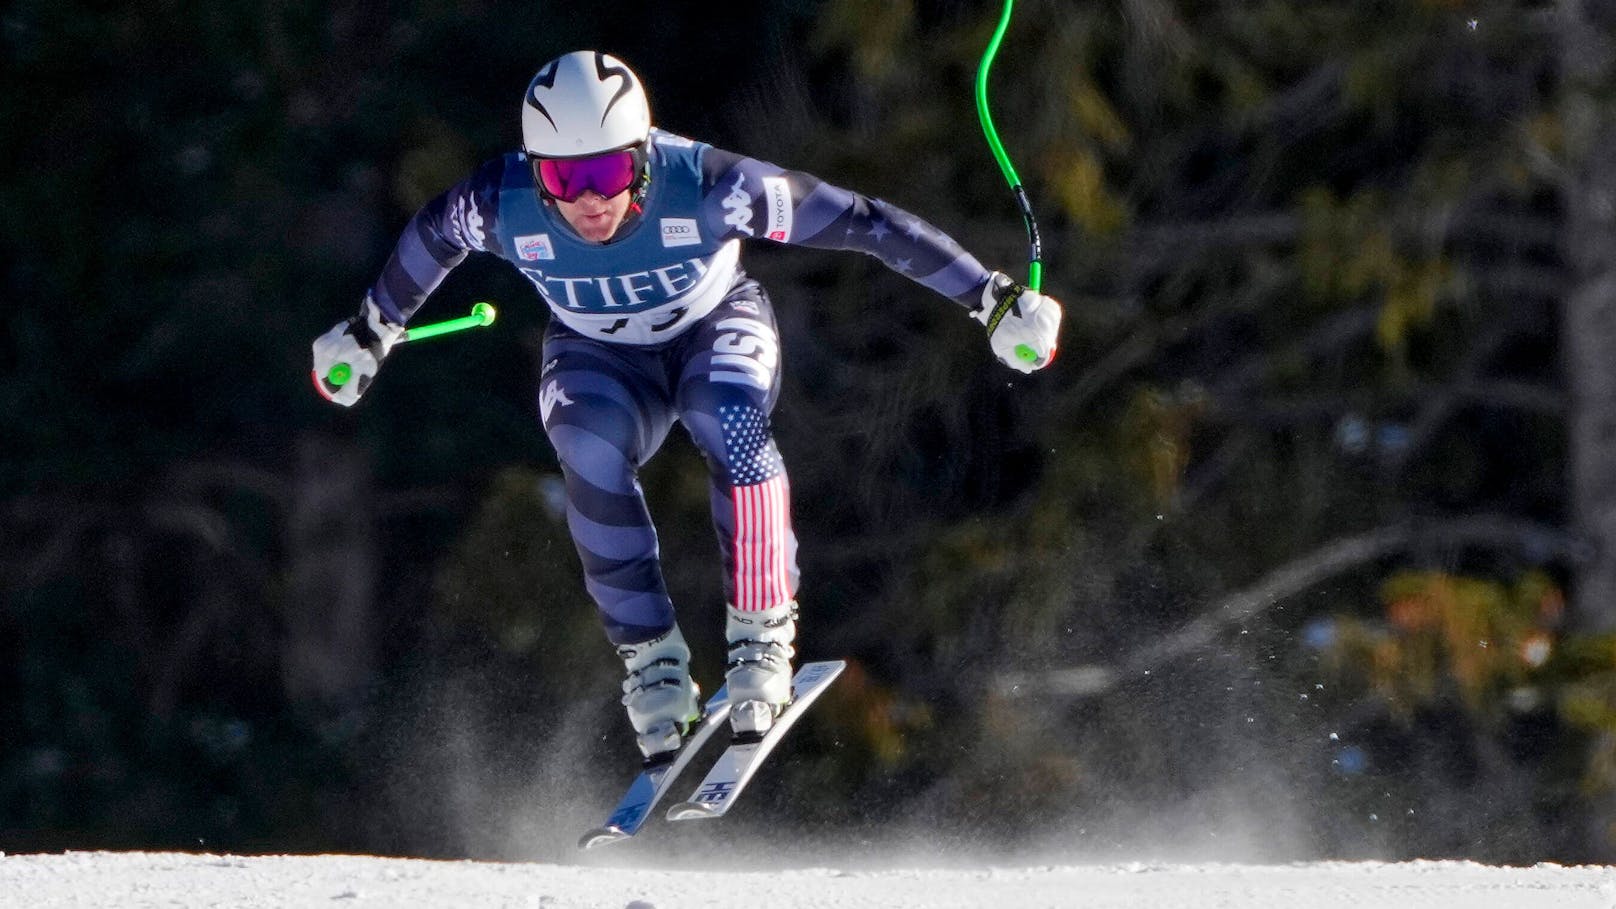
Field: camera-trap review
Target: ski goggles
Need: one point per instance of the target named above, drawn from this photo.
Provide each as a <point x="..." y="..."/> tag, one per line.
<point x="565" y="179"/>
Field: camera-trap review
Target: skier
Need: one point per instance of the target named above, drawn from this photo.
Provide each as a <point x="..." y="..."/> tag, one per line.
<point x="632" y="237"/>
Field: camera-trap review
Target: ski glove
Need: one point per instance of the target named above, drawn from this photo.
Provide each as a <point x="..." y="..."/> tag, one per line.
<point x="1023" y="325"/>
<point x="360" y="343"/>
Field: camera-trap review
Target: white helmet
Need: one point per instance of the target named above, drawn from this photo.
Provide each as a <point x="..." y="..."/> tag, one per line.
<point x="584" y="103"/>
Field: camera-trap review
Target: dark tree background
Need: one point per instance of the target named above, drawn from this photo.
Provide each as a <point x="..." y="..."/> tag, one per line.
<point x="1304" y="547"/>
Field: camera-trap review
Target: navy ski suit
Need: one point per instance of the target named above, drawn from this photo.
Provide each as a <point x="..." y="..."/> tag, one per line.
<point x="658" y="325"/>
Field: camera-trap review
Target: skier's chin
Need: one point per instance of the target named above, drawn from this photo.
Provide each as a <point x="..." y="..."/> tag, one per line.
<point x="600" y="225"/>
<point x="597" y="229"/>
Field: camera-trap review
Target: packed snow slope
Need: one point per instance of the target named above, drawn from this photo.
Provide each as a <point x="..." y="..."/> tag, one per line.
<point x="132" y="880"/>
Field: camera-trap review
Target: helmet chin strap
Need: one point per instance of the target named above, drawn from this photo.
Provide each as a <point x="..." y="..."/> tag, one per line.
<point x="642" y="183"/>
<point x="642" y="186"/>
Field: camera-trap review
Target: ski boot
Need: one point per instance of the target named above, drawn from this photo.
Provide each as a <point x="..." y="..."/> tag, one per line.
<point x="663" y="703"/>
<point x="759" y="672"/>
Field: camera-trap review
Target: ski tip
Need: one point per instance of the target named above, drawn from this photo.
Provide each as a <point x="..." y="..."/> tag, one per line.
<point x="689" y="811"/>
<point x="600" y="836"/>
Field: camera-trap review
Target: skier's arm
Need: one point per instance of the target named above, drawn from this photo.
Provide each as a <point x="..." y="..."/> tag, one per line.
<point x="746" y="198"/>
<point x="794" y="207"/>
<point x="437" y="239"/>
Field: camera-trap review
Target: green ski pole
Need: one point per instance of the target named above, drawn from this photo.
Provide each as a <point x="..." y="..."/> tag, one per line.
<point x="481" y="314"/>
<point x="1035" y="266"/>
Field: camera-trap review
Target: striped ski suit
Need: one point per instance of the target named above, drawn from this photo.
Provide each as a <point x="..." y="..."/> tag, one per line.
<point x="660" y="324"/>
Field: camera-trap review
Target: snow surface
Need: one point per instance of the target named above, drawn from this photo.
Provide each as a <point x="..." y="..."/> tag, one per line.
<point x="131" y="879"/>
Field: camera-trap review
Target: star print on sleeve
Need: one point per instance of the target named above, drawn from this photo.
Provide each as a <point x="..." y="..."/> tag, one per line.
<point x="817" y="214"/>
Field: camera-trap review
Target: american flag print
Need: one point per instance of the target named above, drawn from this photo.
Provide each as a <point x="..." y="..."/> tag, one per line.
<point x="762" y="542"/>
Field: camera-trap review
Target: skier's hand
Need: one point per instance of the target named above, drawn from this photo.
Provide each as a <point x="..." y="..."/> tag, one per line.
<point x="359" y="344"/>
<point x="1023" y="325"/>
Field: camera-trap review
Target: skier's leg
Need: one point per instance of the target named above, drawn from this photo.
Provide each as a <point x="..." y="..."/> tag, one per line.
<point x="606" y="415"/>
<point x="727" y="390"/>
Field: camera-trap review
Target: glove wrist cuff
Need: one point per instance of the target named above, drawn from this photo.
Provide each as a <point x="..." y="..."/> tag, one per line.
<point x="999" y="297"/>
<point x="372" y="330"/>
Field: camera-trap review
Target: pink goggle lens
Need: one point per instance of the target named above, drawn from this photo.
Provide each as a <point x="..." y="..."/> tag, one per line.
<point x="568" y="178"/>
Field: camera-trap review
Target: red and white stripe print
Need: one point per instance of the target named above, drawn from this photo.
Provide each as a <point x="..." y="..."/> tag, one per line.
<point x="762" y="538"/>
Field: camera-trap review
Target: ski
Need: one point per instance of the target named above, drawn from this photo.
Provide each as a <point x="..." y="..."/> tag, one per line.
<point x="653" y="782"/>
<point x="742" y="758"/>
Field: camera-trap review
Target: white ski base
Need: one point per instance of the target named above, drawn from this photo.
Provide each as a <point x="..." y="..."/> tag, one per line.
<point x="741" y="760"/>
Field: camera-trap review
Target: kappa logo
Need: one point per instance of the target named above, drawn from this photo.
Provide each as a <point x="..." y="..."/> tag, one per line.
<point x="535" y="247"/>
<point x="680" y="232"/>
<point x="469" y="222"/>
<point x="777" y="196"/>
<point x="549" y="398"/>
<point x="739" y="205"/>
